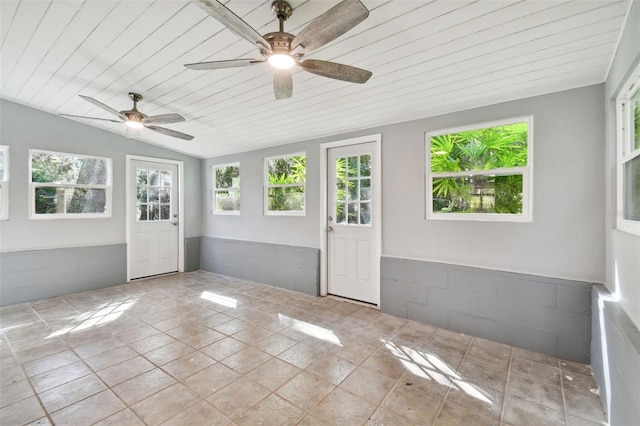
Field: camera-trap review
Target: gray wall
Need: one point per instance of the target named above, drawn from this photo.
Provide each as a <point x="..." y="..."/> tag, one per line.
<point x="616" y="318"/>
<point x="291" y="267"/>
<point x="23" y="128"/>
<point x="568" y="194"/>
<point x="40" y="274"/>
<point x="615" y="348"/>
<point x="547" y="315"/>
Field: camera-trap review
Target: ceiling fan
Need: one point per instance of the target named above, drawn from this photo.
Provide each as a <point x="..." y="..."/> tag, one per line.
<point x="137" y="120"/>
<point x="283" y="50"/>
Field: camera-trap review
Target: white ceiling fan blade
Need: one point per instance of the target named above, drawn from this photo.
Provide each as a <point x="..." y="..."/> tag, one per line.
<point x="170" y="132"/>
<point x="90" y="118"/>
<point x="232" y="63"/>
<point x="233" y="22"/>
<point x="163" y="119"/>
<point x="336" y="71"/>
<point x="330" y="25"/>
<point x="104" y="107"/>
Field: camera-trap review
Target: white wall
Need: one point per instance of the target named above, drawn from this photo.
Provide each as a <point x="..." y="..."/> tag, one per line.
<point x="565" y="239"/>
<point x="23" y="128"/>
<point x="622" y="249"/>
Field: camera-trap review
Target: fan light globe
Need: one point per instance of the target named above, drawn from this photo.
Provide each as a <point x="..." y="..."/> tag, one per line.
<point x="281" y="61"/>
<point x="134" y="124"/>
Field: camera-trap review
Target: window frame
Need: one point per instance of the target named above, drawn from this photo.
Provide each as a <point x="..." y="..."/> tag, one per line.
<point x="625" y="151"/>
<point x="4" y="185"/>
<point x="33" y="185"/>
<point x="526" y="172"/>
<point x="267" y="186"/>
<point x="215" y="189"/>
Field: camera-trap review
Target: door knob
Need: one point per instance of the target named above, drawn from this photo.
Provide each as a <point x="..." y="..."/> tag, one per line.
<point x="330" y="228"/>
<point x="174" y="223"/>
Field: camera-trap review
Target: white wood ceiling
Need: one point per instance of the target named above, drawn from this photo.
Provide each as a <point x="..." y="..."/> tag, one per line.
<point x="427" y="58"/>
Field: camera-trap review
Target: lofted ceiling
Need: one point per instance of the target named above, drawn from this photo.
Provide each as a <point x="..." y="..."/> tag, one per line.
<point x="427" y="58"/>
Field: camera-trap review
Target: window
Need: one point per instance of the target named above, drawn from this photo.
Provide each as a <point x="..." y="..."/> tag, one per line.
<point x="481" y="172"/>
<point x="285" y="184"/>
<point x="629" y="155"/>
<point x="226" y="188"/>
<point x="154" y="192"/>
<point x="69" y="186"/>
<point x="4" y="182"/>
<point x="353" y="190"/>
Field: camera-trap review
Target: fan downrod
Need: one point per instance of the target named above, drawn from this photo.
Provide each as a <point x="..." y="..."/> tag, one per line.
<point x="281" y="9"/>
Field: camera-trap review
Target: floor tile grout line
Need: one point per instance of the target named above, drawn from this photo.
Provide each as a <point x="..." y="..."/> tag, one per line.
<point x="506" y="387"/>
<point x="564" y="399"/>
<point x="435" y="419"/>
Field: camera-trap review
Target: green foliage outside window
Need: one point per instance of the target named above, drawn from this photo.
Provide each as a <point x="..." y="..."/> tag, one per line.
<point x="287" y="176"/>
<point x="66" y="169"/>
<point x="479" y="150"/>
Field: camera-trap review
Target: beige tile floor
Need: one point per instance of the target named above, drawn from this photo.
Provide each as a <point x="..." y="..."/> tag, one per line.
<point x="202" y="349"/>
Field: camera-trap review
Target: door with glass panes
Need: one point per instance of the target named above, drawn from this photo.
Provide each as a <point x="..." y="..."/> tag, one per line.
<point x="352" y="267"/>
<point x="154" y="219"/>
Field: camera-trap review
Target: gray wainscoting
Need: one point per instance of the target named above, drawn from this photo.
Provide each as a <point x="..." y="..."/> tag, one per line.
<point x="291" y="267"/>
<point x="191" y="254"/>
<point x="615" y="358"/>
<point x="546" y="315"/>
<point x="39" y="274"/>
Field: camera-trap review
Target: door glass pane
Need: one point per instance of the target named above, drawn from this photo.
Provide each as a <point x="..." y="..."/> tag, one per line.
<point x="632" y="189"/>
<point x="365" y="165"/>
<point x="166" y="178"/>
<point x="353" y="213"/>
<point x="165" y="212"/>
<point x="142" y="212"/>
<point x="153" y="195"/>
<point x="154" y="212"/>
<point x="154" y="178"/>
<point x="353" y="184"/>
<point x="365" y="213"/>
<point x="165" y="196"/>
<point x="352" y="166"/>
<point x="141" y="176"/>
<point x="340" y="216"/>
<point x="353" y="190"/>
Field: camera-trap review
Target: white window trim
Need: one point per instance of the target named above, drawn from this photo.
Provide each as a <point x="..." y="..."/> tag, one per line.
<point x="624" y="150"/>
<point x="266" y="186"/>
<point x="33" y="185"/>
<point x="4" y="191"/>
<point x="526" y="172"/>
<point x="215" y="189"/>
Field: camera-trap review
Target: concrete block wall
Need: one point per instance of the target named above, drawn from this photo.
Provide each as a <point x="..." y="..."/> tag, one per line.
<point x="39" y="274"/>
<point x="291" y="267"/>
<point x="547" y="315"/>
<point x="615" y="358"/>
<point x="191" y="254"/>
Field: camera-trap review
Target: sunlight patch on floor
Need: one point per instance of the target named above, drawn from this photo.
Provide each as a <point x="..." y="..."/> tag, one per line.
<point x="102" y="315"/>
<point x="431" y="367"/>
<point x="229" y="302"/>
<point x="311" y="329"/>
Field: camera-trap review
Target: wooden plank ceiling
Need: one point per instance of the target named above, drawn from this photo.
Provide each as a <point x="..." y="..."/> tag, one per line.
<point x="427" y="58"/>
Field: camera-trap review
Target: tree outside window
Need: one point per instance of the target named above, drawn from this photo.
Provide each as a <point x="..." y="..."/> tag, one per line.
<point x="66" y="185"/>
<point x="482" y="172"/>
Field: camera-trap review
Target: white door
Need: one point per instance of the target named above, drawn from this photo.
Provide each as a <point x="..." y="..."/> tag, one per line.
<point x="153" y="218"/>
<point x="352" y="255"/>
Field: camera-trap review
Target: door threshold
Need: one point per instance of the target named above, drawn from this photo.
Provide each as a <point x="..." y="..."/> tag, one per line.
<point x="148" y="277"/>
<point x="354" y="301"/>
